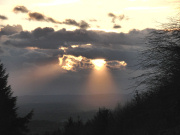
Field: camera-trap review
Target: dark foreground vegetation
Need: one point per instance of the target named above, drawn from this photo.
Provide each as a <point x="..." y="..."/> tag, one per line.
<point x="10" y="122"/>
<point x="148" y="114"/>
<point x="156" y="111"/>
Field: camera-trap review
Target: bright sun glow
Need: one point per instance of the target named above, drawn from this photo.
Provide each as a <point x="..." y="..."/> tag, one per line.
<point x="98" y="63"/>
<point x="74" y="46"/>
<point x="75" y="63"/>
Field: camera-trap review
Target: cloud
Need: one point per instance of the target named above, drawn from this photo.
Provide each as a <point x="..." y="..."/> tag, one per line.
<point x="116" y="26"/>
<point x="84" y="25"/>
<point x="47" y="38"/>
<point x="115" y="64"/>
<point x="121" y="17"/>
<point x="35" y="16"/>
<point x="42" y="32"/>
<point x="40" y="17"/>
<point x="70" y="22"/>
<point x="9" y="30"/>
<point x="43" y="38"/>
<point x="21" y="9"/>
<point x="81" y="24"/>
<point x="115" y="17"/>
<point x="22" y="58"/>
<point x="76" y="63"/>
<point x="111" y="15"/>
<point x="73" y="63"/>
<point x="109" y="53"/>
<point x="44" y="45"/>
<point x="2" y="17"/>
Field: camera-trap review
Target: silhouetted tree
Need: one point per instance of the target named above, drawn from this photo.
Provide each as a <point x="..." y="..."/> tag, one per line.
<point x="161" y="59"/>
<point x="73" y="127"/>
<point x="10" y="122"/>
<point x="101" y="121"/>
<point x="161" y="63"/>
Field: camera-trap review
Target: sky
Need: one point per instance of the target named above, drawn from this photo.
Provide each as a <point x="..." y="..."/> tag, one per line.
<point x="76" y="46"/>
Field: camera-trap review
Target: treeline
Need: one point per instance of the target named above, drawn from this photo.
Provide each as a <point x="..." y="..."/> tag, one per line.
<point x="149" y="113"/>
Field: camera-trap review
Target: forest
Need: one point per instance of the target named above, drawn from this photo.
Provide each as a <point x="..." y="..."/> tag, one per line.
<point x="154" y="109"/>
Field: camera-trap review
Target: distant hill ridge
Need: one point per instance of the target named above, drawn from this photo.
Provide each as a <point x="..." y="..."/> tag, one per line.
<point x="102" y="99"/>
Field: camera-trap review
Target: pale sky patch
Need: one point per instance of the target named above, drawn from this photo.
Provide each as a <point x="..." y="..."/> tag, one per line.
<point x="146" y="8"/>
<point x="141" y="13"/>
<point x="57" y="2"/>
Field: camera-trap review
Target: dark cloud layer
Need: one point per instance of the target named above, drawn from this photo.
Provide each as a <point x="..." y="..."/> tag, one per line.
<point x="2" y="17"/>
<point x="48" y="38"/>
<point x="21" y="9"/>
<point x="105" y="53"/>
<point x="9" y="30"/>
<point x="46" y="41"/>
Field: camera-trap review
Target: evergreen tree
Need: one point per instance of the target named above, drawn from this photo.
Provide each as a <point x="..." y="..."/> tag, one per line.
<point x="10" y="122"/>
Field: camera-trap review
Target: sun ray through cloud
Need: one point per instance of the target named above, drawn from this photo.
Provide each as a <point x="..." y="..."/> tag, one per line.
<point x="73" y="63"/>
